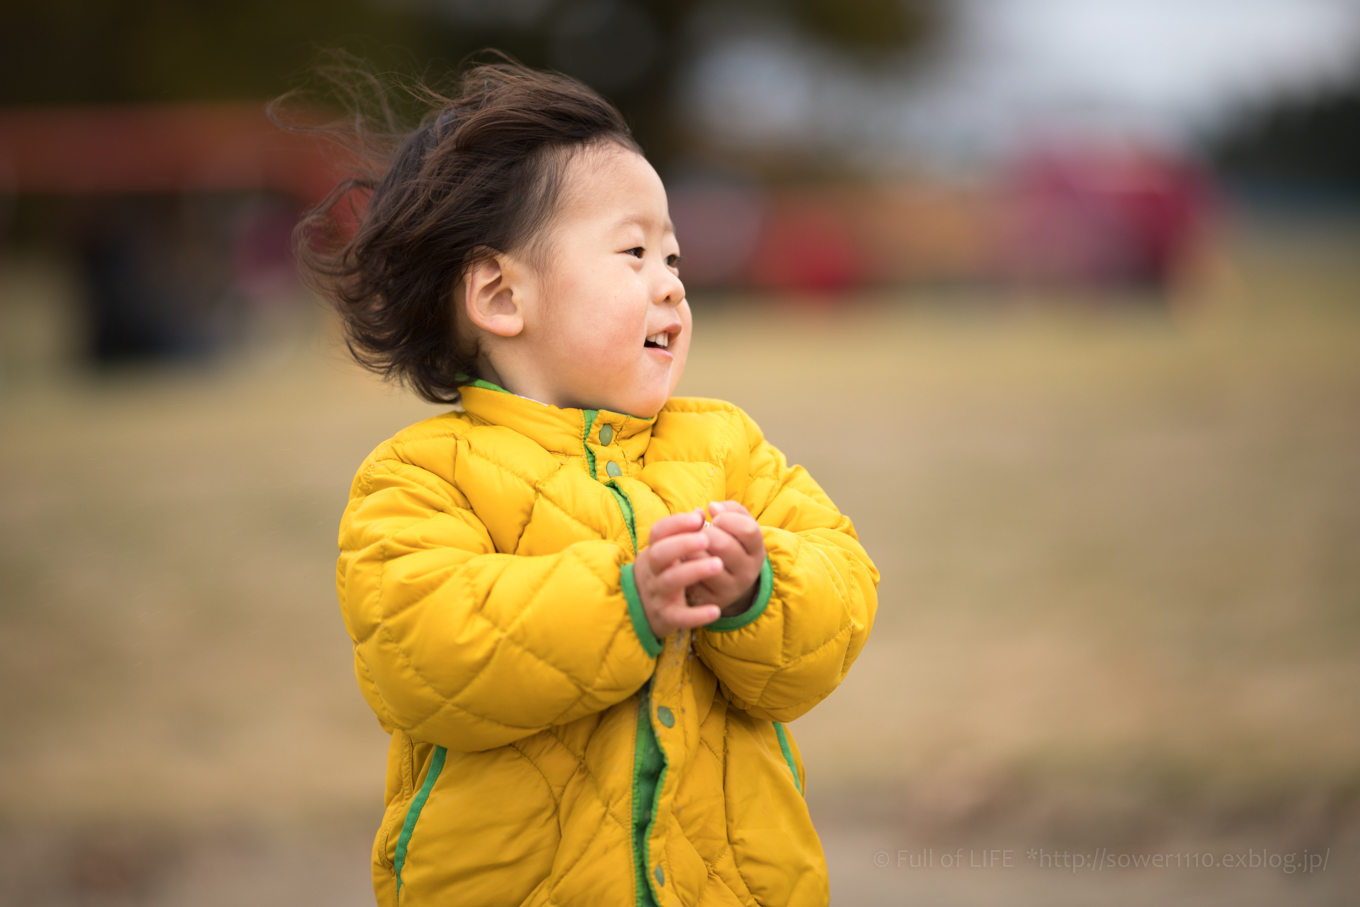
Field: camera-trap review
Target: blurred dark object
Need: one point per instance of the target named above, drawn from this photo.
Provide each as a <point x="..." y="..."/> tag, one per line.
<point x="1101" y="216"/>
<point x="176" y="276"/>
<point x="1303" y="149"/>
<point x="145" y="297"/>
<point x="180" y="216"/>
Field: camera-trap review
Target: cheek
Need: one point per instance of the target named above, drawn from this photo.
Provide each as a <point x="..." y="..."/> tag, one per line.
<point x="580" y="317"/>
<point x="619" y="320"/>
<point x="681" y="351"/>
<point x="605" y="342"/>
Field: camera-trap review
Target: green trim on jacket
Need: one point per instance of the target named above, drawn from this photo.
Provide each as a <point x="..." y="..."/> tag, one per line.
<point x="413" y="811"/>
<point x="764" y="589"/>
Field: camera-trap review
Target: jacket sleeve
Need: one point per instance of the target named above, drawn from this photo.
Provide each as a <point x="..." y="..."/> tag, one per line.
<point x="815" y="600"/>
<point x="467" y="648"/>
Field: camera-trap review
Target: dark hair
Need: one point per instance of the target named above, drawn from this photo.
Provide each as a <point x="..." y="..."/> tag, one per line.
<point x="481" y="175"/>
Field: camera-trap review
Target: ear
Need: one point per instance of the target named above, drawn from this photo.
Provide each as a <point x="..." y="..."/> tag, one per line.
<point x="491" y="299"/>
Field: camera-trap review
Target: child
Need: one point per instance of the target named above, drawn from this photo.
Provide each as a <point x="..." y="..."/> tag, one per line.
<point x="584" y="679"/>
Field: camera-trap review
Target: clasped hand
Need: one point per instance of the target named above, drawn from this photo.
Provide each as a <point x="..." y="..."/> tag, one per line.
<point x="694" y="572"/>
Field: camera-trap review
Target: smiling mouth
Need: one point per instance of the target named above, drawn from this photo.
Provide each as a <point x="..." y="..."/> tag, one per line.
<point x="659" y="341"/>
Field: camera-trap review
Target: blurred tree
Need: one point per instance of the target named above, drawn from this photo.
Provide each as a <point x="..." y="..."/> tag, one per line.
<point x="116" y="51"/>
<point x="866" y="26"/>
<point x="634" y="51"/>
<point x="1311" y="141"/>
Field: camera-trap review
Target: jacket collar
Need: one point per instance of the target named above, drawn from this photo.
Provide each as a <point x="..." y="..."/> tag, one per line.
<point x="559" y="430"/>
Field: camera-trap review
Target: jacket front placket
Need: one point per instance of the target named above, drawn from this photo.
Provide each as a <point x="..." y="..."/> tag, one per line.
<point x="660" y="730"/>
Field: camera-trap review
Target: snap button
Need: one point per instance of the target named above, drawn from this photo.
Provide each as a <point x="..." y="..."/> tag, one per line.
<point x="660" y="876"/>
<point x="606" y="434"/>
<point x="613" y="470"/>
<point x="665" y="716"/>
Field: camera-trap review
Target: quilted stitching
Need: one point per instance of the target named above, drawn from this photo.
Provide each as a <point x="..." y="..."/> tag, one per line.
<point x="697" y="450"/>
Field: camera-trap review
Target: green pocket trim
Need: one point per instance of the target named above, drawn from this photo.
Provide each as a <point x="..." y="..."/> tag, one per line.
<point x="764" y="589"/>
<point x="413" y="811"/>
<point x="788" y="754"/>
<point x="650" y="644"/>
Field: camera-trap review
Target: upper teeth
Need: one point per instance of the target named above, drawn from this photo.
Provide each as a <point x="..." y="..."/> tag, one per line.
<point x="662" y="340"/>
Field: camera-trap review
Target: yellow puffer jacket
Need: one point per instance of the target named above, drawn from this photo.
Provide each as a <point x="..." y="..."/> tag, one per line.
<point x="546" y="747"/>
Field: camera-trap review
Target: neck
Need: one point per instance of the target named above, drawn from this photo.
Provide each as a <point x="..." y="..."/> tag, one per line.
<point x="487" y="372"/>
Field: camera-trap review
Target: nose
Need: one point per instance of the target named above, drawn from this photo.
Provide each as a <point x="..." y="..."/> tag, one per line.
<point x="669" y="290"/>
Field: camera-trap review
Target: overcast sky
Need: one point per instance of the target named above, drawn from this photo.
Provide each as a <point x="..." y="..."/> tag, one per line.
<point x="1013" y="71"/>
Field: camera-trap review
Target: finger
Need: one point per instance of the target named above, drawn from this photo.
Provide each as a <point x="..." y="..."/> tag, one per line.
<point x="722" y="544"/>
<point x="690" y="521"/>
<point x="702" y="594"/>
<point x="684" y="617"/>
<point x="743" y="528"/>
<point x="716" y="507"/>
<point x="676" y="577"/>
<point x="662" y="554"/>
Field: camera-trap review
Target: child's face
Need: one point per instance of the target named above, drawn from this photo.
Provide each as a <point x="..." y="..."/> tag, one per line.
<point x="605" y="321"/>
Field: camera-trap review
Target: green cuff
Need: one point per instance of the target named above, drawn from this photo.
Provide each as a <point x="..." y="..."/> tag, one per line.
<point x="764" y="587"/>
<point x="650" y="644"/>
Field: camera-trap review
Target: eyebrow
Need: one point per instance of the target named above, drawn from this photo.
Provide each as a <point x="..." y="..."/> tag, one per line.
<point x="634" y="220"/>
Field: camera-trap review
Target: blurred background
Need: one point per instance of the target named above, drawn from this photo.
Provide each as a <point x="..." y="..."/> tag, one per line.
<point x="1058" y="299"/>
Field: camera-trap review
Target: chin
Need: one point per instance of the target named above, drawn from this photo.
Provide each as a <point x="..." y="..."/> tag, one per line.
<point x="644" y="406"/>
<point x="645" y="411"/>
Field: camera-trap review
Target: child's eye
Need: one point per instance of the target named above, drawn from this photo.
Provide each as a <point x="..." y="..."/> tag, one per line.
<point x="636" y="251"/>
<point x="673" y="261"/>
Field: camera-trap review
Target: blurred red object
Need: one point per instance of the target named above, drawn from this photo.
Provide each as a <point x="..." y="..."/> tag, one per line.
<point x="159" y="148"/>
<point x="718" y="228"/>
<point x="807" y="247"/>
<point x="823" y="239"/>
<point x="1101" y="216"/>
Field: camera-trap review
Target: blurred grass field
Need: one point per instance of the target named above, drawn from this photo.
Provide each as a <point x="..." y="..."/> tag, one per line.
<point x="1120" y="605"/>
